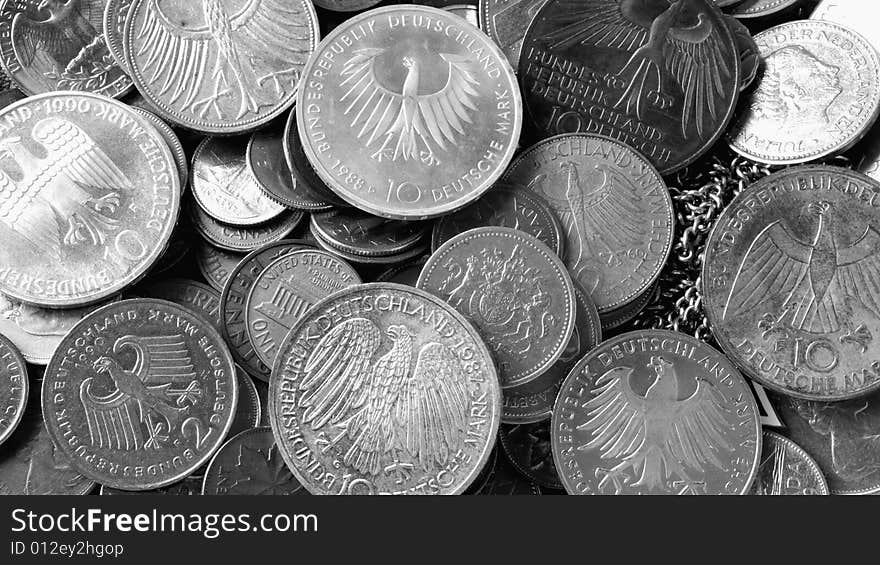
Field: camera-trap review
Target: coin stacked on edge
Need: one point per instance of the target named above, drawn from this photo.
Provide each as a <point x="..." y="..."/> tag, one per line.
<point x="530" y="247"/>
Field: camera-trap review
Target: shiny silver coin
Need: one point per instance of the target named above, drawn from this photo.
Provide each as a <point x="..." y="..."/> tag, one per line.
<point x="655" y="412"/>
<point x="172" y="141"/>
<point x="233" y="301"/>
<point x="379" y="357"/>
<point x="89" y="197"/>
<point x="505" y="206"/>
<point x="216" y="264"/>
<point x="14" y="387"/>
<point x="506" y="22"/>
<point x="818" y="94"/>
<point x="533" y="402"/>
<point x="198" y="297"/>
<point x="49" y="45"/>
<point x="311" y="193"/>
<point x="226" y="188"/>
<point x="791" y="282"/>
<point x="407" y="113"/>
<point x="250" y="463"/>
<point x="516" y="292"/>
<point x="857" y="15"/>
<point x="357" y="233"/>
<point x="219" y="66"/>
<point x="285" y="290"/>
<point x="615" y="210"/>
<point x="249" y="410"/>
<point x="242" y="239"/>
<point x="140" y="394"/>
<point x="267" y="162"/>
<point x="467" y="12"/>
<point x="786" y="469"/>
<point x="115" y="14"/>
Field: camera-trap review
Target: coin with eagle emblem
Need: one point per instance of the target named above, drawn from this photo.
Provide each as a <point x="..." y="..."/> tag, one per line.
<point x="791" y="282"/>
<point x="514" y="289"/>
<point x="655" y="412"/>
<point x="384" y="389"/>
<point x="219" y="66"/>
<point x="140" y="394"/>
<point x="408" y="112"/>
<point x="89" y="197"/>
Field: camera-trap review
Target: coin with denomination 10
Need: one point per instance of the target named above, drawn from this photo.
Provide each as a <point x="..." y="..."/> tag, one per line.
<point x="660" y="76"/>
<point x="219" y="66"/>
<point x="516" y="292"/>
<point x="90" y="196"/>
<point x="791" y="282"/>
<point x="140" y="394"/>
<point x="408" y="112"/>
<point x="655" y="412"/>
<point x="383" y="388"/>
<point x="615" y="210"/>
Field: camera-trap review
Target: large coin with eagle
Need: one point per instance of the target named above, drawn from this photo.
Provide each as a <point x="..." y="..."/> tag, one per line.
<point x="791" y="282"/>
<point x="89" y="196"/>
<point x="219" y="66"/>
<point x="384" y="389"/>
<point x="140" y="394"/>
<point x="655" y="412"/>
<point x="408" y="112"/>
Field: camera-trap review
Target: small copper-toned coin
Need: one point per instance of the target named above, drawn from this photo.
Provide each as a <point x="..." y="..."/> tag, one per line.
<point x="285" y="290"/>
<point x="516" y="292"/>
<point x="13" y="387"/>
<point x="225" y="186"/>
<point x="382" y="388"/>
<point x="655" y="412"/>
<point x="242" y="239"/>
<point x="786" y="469"/>
<point x="216" y="264"/>
<point x="406" y="112"/>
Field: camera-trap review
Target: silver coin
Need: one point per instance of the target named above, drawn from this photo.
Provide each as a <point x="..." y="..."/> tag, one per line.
<point x="13" y="387"/>
<point x="171" y="140"/>
<point x="249" y="411"/>
<point x="198" y="297"/>
<point x="818" y="94"/>
<point x="242" y="239"/>
<point x="857" y="15"/>
<point x="115" y="14"/>
<point x="506" y="22"/>
<point x="786" y="469"/>
<point x="250" y="463"/>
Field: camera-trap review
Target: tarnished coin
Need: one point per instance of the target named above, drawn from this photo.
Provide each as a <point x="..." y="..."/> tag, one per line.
<point x="527" y="446"/>
<point x="190" y="486"/>
<point x="234" y="298"/>
<point x="405" y="273"/>
<point x="615" y="210"/>
<point x="242" y="239"/>
<point x="172" y="141"/>
<point x="49" y="45"/>
<point x="533" y="402"/>
<point x="359" y="233"/>
<point x="857" y="15"/>
<point x="840" y="436"/>
<point x="285" y="290"/>
<point x="216" y="264"/>
<point x="655" y="412"/>
<point x="115" y="14"/>
<point x="346" y="5"/>
<point x="31" y="464"/>
<point x="507" y="206"/>
<point x="408" y="113"/>
<point x="226" y="188"/>
<point x="36" y="332"/>
<point x="504" y="480"/>
<point x="749" y="54"/>
<point x="311" y="192"/>
<point x="791" y="282"/>
<point x="267" y="162"/>
<point x="749" y="9"/>
<point x="786" y="469"/>
<point x="249" y="411"/>
<point x="219" y="66"/>
<point x="661" y="77"/>
<point x="250" y="463"/>
<point x="506" y="22"/>
<point x="383" y="388"/>
<point x="818" y="94"/>
<point x="198" y="297"/>
<point x="89" y="196"/>
<point x="140" y="394"/>
<point x="516" y="292"/>
<point x="13" y="387"/>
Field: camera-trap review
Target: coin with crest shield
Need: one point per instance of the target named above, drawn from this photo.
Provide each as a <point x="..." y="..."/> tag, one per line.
<point x="140" y="394"/>
<point x="655" y="412"/>
<point x="219" y="66"/>
<point x="660" y="76"/>
<point x="380" y="357"/>
<point x="50" y="45"/>
<point x="791" y="282"/>
<point x="615" y="211"/>
<point x="90" y="197"/>
<point x="516" y="292"/>
<point x="408" y="112"/>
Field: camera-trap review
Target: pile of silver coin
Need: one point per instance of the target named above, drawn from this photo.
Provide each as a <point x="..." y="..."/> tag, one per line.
<point x="360" y="247"/>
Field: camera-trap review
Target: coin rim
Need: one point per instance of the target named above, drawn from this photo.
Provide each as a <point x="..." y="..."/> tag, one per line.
<point x="806" y="457"/>
<point x="227" y="443"/>
<point x="19" y="359"/>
